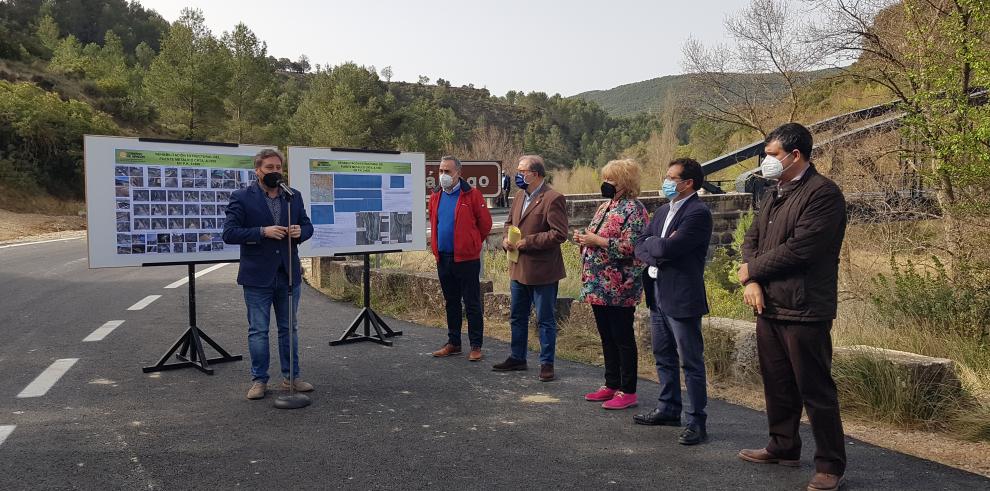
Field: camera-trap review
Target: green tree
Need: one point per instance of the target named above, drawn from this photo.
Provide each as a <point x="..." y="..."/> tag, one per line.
<point x="68" y="58"/>
<point x="249" y="101"/>
<point x="426" y="127"/>
<point x="42" y="138"/>
<point x="144" y="55"/>
<point x="109" y="67"/>
<point x="950" y="57"/>
<point x="188" y="79"/>
<point x="89" y="20"/>
<point x="344" y="107"/>
<point x="48" y="32"/>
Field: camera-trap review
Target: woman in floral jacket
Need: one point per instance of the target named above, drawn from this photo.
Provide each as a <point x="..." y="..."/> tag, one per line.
<point x="612" y="279"/>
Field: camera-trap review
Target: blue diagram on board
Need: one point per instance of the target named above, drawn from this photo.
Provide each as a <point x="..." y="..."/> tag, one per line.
<point x="356" y="181"/>
<point x="355" y="193"/>
<point x="322" y="215"/>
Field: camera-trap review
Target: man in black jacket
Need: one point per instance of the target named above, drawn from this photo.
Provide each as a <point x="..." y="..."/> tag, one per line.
<point x="790" y="273"/>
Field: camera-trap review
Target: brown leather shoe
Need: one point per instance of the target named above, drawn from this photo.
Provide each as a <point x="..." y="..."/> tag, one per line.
<point x="257" y="391"/>
<point x="475" y="354"/>
<point x="825" y="482"/>
<point x="447" y="350"/>
<point x="762" y="456"/>
<point x="546" y="372"/>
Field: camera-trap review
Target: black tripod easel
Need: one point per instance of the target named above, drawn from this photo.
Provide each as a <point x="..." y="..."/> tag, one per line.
<point x="188" y="349"/>
<point x="367" y="316"/>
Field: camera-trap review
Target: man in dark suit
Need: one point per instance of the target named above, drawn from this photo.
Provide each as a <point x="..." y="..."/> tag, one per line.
<point x="503" y="195"/>
<point x="790" y="273"/>
<point x="258" y="221"/>
<point x="674" y="247"/>
<point x="541" y="216"/>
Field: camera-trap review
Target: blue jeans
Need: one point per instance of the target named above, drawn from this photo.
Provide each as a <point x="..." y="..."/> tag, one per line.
<point x="259" y="303"/>
<point x="523" y="299"/>
<point x="677" y="343"/>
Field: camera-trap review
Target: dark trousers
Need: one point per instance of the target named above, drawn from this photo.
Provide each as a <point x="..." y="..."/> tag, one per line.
<point x="678" y="344"/>
<point x="796" y="364"/>
<point x="460" y="281"/>
<point x="615" y="326"/>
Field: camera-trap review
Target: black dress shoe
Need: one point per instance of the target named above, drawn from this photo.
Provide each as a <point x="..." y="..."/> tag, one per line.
<point x="692" y="435"/>
<point x="657" y="418"/>
<point x="510" y="364"/>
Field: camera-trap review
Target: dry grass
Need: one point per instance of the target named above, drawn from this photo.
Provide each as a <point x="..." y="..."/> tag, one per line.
<point x="414" y="261"/>
<point x="497" y="267"/>
<point x="578" y="180"/>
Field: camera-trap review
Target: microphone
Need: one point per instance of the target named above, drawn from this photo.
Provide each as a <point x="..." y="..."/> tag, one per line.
<point x="274" y="180"/>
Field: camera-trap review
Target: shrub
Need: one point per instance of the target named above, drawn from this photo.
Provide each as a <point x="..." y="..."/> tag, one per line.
<point x="721" y="282"/>
<point x="41" y="138"/>
<point x="931" y="299"/>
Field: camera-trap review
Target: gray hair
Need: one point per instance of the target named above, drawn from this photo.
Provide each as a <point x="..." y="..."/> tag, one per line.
<point x="535" y="164"/>
<point x="264" y="154"/>
<point x="457" y="163"/>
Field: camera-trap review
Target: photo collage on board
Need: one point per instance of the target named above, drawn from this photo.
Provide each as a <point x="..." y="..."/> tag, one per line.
<point x="169" y="209"/>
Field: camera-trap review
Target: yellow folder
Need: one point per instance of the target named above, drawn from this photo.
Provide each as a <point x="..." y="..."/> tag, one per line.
<point x="514" y="234"/>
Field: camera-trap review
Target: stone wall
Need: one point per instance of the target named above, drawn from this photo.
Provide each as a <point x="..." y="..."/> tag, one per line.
<point x="726" y="210"/>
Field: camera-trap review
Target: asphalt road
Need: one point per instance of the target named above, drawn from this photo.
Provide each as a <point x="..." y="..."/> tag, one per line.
<point x="381" y="417"/>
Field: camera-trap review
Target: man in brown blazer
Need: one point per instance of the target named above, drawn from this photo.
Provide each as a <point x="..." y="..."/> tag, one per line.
<point x="540" y="214"/>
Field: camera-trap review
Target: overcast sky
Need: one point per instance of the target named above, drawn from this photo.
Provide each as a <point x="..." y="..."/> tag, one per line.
<point x="554" y="46"/>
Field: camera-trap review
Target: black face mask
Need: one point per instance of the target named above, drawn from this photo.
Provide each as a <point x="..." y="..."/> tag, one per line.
<point x="608" y="190"/>
<point x="272" y="179"/>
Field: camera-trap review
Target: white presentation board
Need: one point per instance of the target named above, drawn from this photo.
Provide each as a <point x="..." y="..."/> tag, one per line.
<point x="360" y="201"/>
<point x="151" y="202"/>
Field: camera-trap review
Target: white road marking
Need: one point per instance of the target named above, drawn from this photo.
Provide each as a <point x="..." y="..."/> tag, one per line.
<point x="37" y="242"/>
<point x="185" y="279"/>
<point x="144" y="302"/>
<point x="5" y="431"/>
<point x="102" y="331"/>
<point x="48" y="378"/>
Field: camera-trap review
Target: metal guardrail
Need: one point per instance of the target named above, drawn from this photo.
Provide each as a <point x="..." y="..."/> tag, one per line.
<point x="755" y="149"/>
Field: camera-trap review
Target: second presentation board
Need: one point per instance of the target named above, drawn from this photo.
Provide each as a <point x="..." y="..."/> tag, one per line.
<point x="360" y="201"/>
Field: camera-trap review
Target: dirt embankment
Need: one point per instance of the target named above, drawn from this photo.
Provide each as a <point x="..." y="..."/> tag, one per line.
<point x="15" y="226"/>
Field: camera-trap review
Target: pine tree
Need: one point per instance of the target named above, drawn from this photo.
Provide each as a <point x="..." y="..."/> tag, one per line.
<point x="249" y="95"/>
<point x="188" y="79"/>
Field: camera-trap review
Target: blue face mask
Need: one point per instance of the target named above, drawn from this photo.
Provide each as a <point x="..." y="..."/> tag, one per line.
<point x="669" y="188"/>
<point x="521" y="181"/>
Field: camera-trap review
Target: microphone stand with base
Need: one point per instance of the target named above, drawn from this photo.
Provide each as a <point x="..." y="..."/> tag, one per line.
<point x="292" y="400"/>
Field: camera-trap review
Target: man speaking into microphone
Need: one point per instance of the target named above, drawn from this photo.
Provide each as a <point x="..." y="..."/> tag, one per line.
<point x="258" y="221"/>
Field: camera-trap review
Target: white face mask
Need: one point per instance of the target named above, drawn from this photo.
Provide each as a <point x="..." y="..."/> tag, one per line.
<point x="772" y="167"/>
<point x="446" y="181"/>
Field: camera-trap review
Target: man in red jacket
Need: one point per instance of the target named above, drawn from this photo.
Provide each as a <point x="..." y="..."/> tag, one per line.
<point x="459" y="221"/>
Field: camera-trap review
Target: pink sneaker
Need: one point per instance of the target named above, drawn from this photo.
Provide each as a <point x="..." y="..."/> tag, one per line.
<point x="621" y="400"/>
<point x="602" y="394"/>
